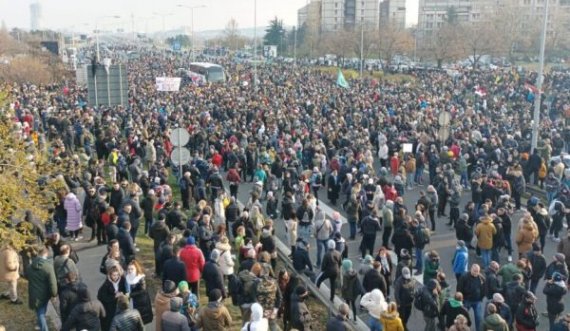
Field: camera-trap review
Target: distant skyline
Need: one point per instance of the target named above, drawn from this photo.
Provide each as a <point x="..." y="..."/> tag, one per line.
<point x="83" y="15"/>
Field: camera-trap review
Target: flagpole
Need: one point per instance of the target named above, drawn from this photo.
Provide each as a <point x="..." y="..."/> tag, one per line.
<point x="540" y="78"/>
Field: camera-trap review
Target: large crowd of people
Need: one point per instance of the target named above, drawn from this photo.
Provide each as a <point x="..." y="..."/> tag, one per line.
<point x="302" y="141"/>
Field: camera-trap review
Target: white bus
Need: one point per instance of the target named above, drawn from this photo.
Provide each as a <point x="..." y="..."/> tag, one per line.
<point x="209" y="72"/>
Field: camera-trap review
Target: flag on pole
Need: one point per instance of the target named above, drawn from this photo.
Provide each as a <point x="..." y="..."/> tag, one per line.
<point x="480" y="91"/>
<point x="340" y="81"/>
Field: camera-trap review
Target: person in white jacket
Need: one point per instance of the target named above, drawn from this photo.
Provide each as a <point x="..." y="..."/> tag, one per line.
<point x="226" y="260"/>
<point x="257" y="322"/>
<point x="375" y="303"/>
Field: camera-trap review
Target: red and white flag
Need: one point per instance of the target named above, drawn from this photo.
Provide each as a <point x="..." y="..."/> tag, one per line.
<point x="480" y="91"/>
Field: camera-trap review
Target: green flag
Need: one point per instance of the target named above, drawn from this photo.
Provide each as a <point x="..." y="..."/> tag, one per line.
<point x="340" y="81"/>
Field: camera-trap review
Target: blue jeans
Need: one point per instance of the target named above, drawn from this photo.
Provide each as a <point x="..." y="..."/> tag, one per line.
<point x="486" y="259"/>
<point x="374" y="324"/>
<point x="352" y="224"/>
<point x="464" y="181"/>
<point x="419" y="259"/>
<point x="321" y="249"/>
<point x="476" y="305"/>
<point x="41" y="315"/>
<point x="550" y="196"/>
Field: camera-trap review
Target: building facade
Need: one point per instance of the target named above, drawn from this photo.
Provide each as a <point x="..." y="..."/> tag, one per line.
<point x="35" y="16"/>
<point x="336" y="15"/>
<point x="393" y="12"/>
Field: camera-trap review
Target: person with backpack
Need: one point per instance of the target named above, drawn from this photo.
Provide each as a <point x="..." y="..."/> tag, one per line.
<point x="426" y="301"/>
<point x="305" y="217"/>
<point x="555" y="290"/>
<point x="472" y="284"/>
<point x="526" y="316"/>
<point x="351" y="287"/>
<point x="369" y="227"/>
<point x="405" y="288"/>
<point x="421" y="239"/>
<point x="245" y="290"/>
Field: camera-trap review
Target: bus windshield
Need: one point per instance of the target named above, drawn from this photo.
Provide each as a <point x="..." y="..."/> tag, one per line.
<point x="215" y="74"/>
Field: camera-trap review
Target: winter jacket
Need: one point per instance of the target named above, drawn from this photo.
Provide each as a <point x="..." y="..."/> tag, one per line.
<point x="174" y="269"/>
<point x="391" y="321"/>
<point x="161" y="305"/>
<point x="373" y="279"/>
<point x="370" y="225"/>
<point x="374" y="302"/>
<point x="331" y="262"/>
<point x="68" y="299"/>
<point x="564" y="248"/>
<point x="526" y="316"/>
<point x="9" y="264"/>
<point x="485" y="231"/>
<point x="74" y="210"/>
<point x="451" y="309"/>
<point x="257" y="322"/>
<point x="42" y="283"/>
<point x="495" y="322"/>
<point x="538" y="263"/>
<point x="492" y="284"/>
<point x="194" y="261"/>
<point x="213" y="277"/>
<point x="85" y="316"/>
<point x="460" y="261"/>
<point x="127" y="320"/>
<point x="430" y="270"/>
<point x="107" y="296"/>
<point x="141" y="300"/>
<point x="507" y="272"/>
<point x="214" y="317"/>
<point x="300" y="315"/>
<point x="62" y="266"/>
<point x="174" y="321"/>
<point x="525" y="237"/>
<point x="472" y="287"/>
<point x="301" y="260"/>
<point x="158" y="232"/>
<point x="404" y="291"/>
<point x="514" y="293"/>
<point x="337" y="323"/>
<point x="351" y="287"/>
<point x="226" y="261"/>
<point x="554" y="294"/>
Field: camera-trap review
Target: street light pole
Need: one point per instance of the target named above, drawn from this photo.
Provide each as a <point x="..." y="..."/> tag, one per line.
<point x="538" y="97"/>
<point x="361" y="46"/>
<point x="295" y="48"/>
<point x="193" y="40"/>
<point x="97" y="33"/>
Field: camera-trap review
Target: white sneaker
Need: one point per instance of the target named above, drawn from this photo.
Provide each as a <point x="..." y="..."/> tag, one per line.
<point x="556" y="240"/>
<point x="510" y="259"/>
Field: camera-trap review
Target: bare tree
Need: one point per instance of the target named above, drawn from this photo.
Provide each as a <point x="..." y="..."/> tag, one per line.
<point x="479" y="38"/>
<point x="443" y="44"/>
<point x="393" y="40"/>
<point x="232" y="37"/>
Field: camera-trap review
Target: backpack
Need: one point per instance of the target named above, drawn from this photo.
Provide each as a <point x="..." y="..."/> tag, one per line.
<point x="235" y="288"/>
<point x="266" y="293"/>
<point x="520" y="185"/>
<point x="423" y="236"/>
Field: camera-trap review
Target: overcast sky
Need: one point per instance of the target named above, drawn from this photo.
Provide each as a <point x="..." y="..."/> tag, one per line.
<point x="82" y="15"/>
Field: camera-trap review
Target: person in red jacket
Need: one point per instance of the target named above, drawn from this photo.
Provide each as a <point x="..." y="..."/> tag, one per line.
<point x="394" y="164"/>
<point x="234" y="178"/>
<point x="217" y="159"/>
<point x="194" y="261"/>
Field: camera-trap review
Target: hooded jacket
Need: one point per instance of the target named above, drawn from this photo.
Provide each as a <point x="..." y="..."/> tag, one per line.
<point x="495" y="322"/>
<point x="351" y="287"/>
<point x="214" y="317"/>
<point x="485" y="231"/>
<point x="300" y="315"/>
<point x="391" y="321"/>
<point x="460" y="260"/>
<point x="42" y="283"/>
<point x="194" y="261"/>
<point x="451" y="309"/>
<point x="87" y="313"/>
<point x="258" y="322"/>
<point x="526" y="235"/>
<point x="161" y="305"/>
<point x="555" y="292"/>
<point x="73" y="208"/>
<point x="374" y="302"/>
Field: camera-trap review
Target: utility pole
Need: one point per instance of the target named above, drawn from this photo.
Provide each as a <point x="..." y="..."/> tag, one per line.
<point x="361" y="47"/>
<point x="254" y="44"/>
<point x="295" y="48"/>
<point x="540" y="78"/>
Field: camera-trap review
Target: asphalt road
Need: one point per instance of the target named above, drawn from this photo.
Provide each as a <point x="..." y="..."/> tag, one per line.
<point x="443" y="241"/>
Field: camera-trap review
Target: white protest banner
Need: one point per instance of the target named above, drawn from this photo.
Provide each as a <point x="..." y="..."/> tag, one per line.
<point x="408" y="148"/>
<point x="167" y="84"/>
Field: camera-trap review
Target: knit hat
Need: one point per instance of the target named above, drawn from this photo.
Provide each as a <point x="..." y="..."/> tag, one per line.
<point x="497" y="297"/>
<point x="535" y="247"/>
<point x="215" y="255"/>
<point x="331" y="244"/>
<point x="346" y="265"/>
<point x="175" y="303"/>
<point x="432" y="284"/>
<point x="405" y="254"/>
<point x="215" y="295"/>
<point x="168" y="287"/>
<point x="557" y="277"/>
<point x="301" y="291"/>
<point x="560" y="257"/>
<point x="406" y="273"/>
<point x="368" y="259"/>
<point x="183" y="286"/>
<point x="190" y="241"/>
<point x="461" y="243"/>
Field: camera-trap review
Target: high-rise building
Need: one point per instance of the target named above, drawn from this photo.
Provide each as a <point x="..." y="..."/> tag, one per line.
<point x="367" y="13"/>
<point x="311" y="13"/>
<point x="35" y="15"/>
<point x="332" y="15"/>
<point x="393" y="12"/>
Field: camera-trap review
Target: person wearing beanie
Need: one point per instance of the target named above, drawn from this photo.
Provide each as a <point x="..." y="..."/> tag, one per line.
<point x="526" y="316"/>
<point x="502" y="308"/>
<point x="460" y="261"/>
<point x="351" y="287"/>
<point x="404" y="261"/>
<point x="558" y="264"/>
<point x="330" y="268"/>
<point x="173" y="320"/>
<point x="323" y="232"/>
<point x="162" y="301"/>
<point x="555" y="290"/>
<point x="339" y="322"/>
<point x="365" y="265"/>
<point x="301" y="318"/>
<point x="86" y="314"/>
<point x="405" y="288"/>
<point x="214" y="316"/>
<point x="189" y="299"/>
<point x="212" y="274"/>
<point x="194" y="261"/>
<point x="126" y="319"/>
<point x="493" y="320"/>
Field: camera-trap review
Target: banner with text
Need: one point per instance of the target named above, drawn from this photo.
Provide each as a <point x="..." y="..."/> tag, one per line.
<point x="168" y="84"/>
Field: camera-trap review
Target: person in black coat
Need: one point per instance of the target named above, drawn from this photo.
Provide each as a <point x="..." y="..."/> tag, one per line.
<point x="333" y="187"/>
<point x="114" y="284"/>
<point x="174" y="269"/>
<point x="86" y="314"/>
<point x="138" y="292"/>
<point x="159" y="231"/>
<point x="538" y="263"/>
<point x="176" y="218"/>
<point x="526" y="315"/>
<point x="112" y="228"/>
<point x="165" y="252"/>
<point x="463" y="231"/>
<point x="68" y="296"/>
<point x="330" y="267"/>
<point x="301" y="259"/>
<point x="555" y="289"/>
<point x="126" y="243"/>
<point x="212" y="274"/>
<point x="452" y="308"/>
<point x="373" y="279"/>
<point x="340" y="321"/>
<point x="402" y="239"/>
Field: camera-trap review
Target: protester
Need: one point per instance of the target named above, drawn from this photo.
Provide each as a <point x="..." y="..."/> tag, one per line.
<point x="42" y="286"/>
<point x="215" y="315"/>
